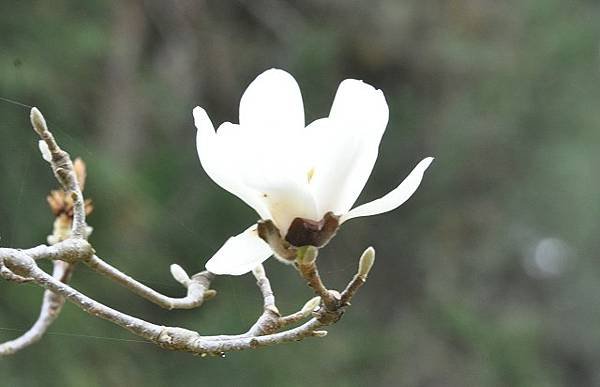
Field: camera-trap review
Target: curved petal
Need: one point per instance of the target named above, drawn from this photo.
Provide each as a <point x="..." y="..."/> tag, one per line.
<point x="240" y="254"/>
<point x="394" y="198"/>
<point x="327" y="151"/>
<point x="213" y="152"/>
<point x="272" y="102"/>
<point x="358" y="118"/>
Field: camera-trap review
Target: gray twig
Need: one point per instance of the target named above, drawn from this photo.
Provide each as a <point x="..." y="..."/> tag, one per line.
<point x="52" y="304"/>
<point x="197" y="286"/>
<point x="62" y="166"/>
<point x="307" y="266"/>
<point x="174" y="338"/>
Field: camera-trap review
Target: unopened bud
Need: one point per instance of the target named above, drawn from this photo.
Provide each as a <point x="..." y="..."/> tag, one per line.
<point x="366" y="262"/>
<point x="45" y="151"/>
<point x="180" y="275"/>
<point x="37" y="121"/>
<point x="210" y="293"/>
<point x="310" y="306"/>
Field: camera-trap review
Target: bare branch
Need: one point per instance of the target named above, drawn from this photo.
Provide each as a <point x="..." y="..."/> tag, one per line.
<point x="168" y="337"/>
<point x="265" y="288"/>
<point x="52" y="303"/>
<point x="51" y="307"/>
<point x="69" y="250"/>
<point x="173" y="338"/>
<point x="269" y="321"/>
<point x="12" y="277"/>
<point x="62" y="166"/>
<point x="197" y="286"/>
<point x="78" y="250"/>
<point x="69" y="177"/>
<point x="307" y="266"/>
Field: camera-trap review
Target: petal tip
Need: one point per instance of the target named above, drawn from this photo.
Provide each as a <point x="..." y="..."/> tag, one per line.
<point x="426" y="162"/>
<point x="359" y="83"/>
<point x="200" y="116"/>
<point x="202" y="121"/>
<point x="394" y="198"/>
<point x="198" y="111"/>
<point x="271" y="101"/>
<point x="354" y="96"/>
<point x="275" y="73"/>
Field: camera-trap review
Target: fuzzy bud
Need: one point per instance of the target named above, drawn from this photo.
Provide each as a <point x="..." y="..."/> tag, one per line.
<point x="45" y="151"/>
<point x="310" y="306"/>
<point x="180" y="275"/>
<point x="37" y="121"/>
<point x="366" y="262"/>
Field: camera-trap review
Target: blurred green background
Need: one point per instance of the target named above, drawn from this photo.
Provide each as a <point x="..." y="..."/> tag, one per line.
<point x="488" y="276"/>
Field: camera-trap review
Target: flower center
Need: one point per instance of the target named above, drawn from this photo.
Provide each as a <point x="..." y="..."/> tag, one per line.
<point x="307" y="232"/>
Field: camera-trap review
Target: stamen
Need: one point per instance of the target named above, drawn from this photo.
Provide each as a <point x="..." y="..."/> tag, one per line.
<point x="310" y="174"/>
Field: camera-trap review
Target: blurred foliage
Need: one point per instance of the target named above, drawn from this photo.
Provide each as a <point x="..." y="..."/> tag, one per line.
<point x="488" y="276"/>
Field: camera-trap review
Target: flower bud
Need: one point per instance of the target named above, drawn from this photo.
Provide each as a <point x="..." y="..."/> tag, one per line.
<point x="37" y="121"/>
<point x="310" y="306"/>
<point x="180" y="275"/>
<point x="45" y="151"/>
<point x="210" y="293"/>
<point x="366" y="262"/>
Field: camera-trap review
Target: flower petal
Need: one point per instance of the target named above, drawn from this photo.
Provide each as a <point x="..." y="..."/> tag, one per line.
<point x="394" y="198"/>
<point x="358" y="118"/>
<point x="214" y="152"/>
<point x="240" y="254"/>
<point x="285" y="199"/>
<point x="272" y="102"/>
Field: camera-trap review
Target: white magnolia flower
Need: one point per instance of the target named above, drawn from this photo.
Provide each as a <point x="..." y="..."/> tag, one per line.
<point x="303" y="180"/>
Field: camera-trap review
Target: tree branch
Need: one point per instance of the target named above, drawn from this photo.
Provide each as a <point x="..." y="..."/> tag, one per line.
<point x="62" y="166"/>
<point x="269" y="321"/>
<point x="197" y="286"/>
<point x="307" y="266"/>
<point x="172" y="338"/>
<point x="20" y="266"/>
<point x="52" y="304"/>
